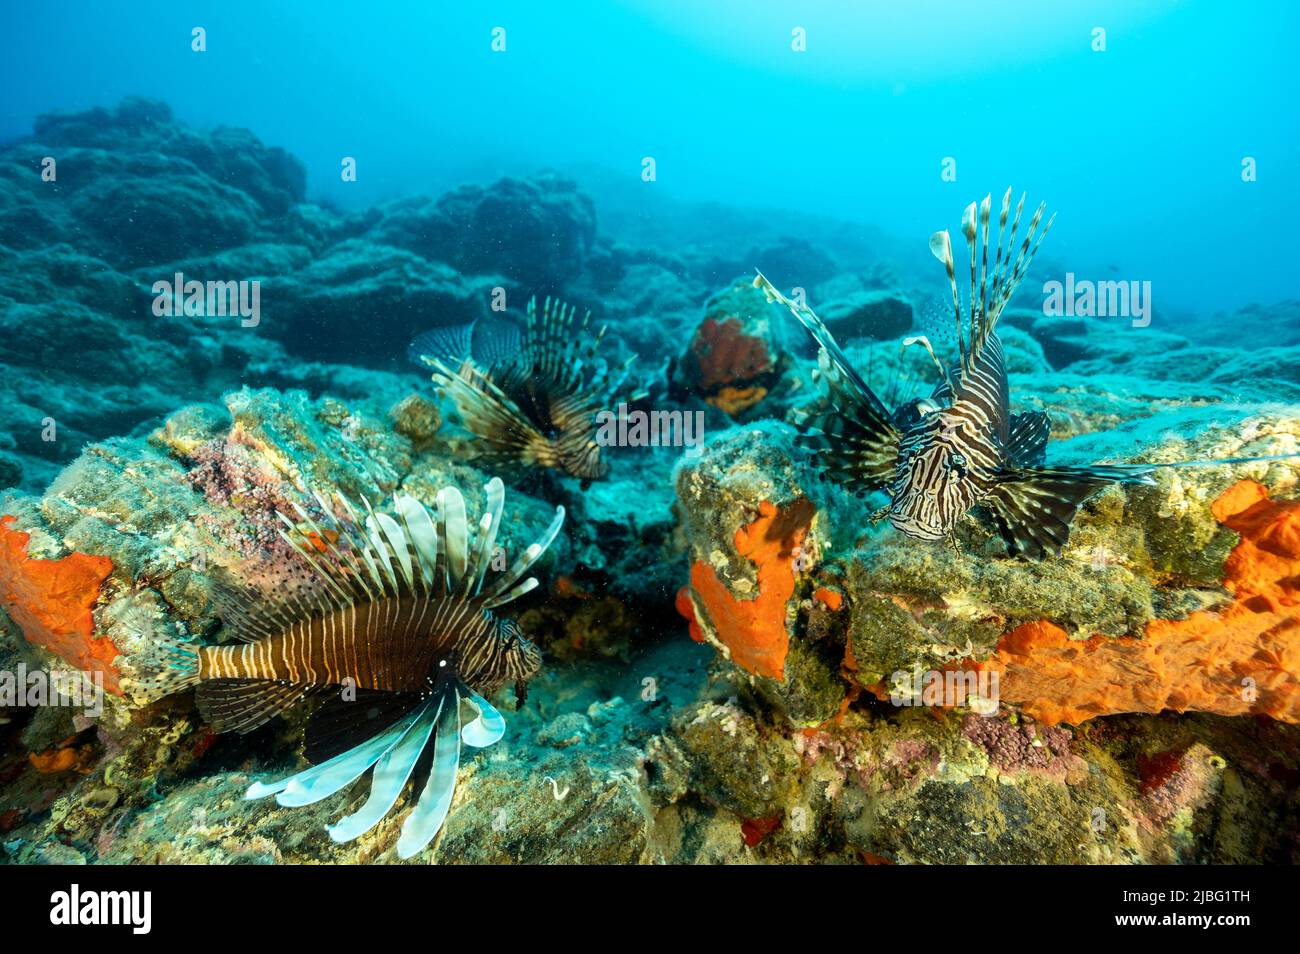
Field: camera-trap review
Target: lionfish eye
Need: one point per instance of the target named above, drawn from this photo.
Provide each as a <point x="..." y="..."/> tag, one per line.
<point x="957" y="464"/>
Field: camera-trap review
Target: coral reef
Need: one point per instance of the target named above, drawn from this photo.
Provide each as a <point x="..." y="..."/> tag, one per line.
<point x="724" y="628"/>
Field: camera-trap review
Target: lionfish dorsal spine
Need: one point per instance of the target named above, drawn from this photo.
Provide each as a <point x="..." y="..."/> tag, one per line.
<point x="968" y="230"/>
<point x="454" y="532"/>
<point x="507" y="587"/>
<point x="489" y="525"/>
<point x="1002" y="230"/>
<point x="984" y="252"/>
<point x="423" y="537"/>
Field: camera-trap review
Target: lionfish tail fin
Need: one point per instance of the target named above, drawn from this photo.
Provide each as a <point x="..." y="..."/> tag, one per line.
<point x="1033" y="507"/>
<point x="158" y="669"/>
<point x="486" y="342"/>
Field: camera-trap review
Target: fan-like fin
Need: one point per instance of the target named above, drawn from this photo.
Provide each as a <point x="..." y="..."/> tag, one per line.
<point x="449" y="343"/>
<point x="389" y="777"/>
<point x="421" y="533"/>
<point x="506" y="436"/>
<point x="322" y="781"/>
<point x="342" y="722"/>
<point x="1033" y="507"/>
<point x="525" y="560"/>
<point x="1027" y="443"/>
<point x="398" y="549"/>
<point x="857" y="439"/>
<point x="250" y="613"/>
<point x="455" y="531"/>
<point x="527" y="586"/>
<point x="859" y="388"/>
<point x="485" y="730"/>
<point x="489" y="525"/>
<point x="425" y="820"/>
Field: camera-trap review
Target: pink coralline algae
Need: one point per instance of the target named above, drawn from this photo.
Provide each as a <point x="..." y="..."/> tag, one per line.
<point x="902" y="764"/>
<point x="1174" y="782"/>
<point x="232" y="475"/>
<point x="1024" y="747"/>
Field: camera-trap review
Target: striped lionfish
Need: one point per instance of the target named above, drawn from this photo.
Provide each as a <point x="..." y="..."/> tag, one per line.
<point x="396" y="632"/>
<point x="530" y="399"/>
<point x="960" y="449"/>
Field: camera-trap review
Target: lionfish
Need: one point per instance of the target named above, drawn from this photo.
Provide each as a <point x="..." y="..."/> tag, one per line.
<point x="960" y="449"/>
<point x="530" y="399"/>
<point x="395" y="631"/>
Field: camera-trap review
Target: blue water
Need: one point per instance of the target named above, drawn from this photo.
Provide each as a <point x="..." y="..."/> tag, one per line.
<point x="1139" y="148"/>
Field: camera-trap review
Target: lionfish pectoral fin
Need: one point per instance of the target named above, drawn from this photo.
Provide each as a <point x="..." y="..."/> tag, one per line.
<point x="1033" y="507"/>
<point x="857" y="438"/>
<point x="430" y="811"/>
<point x="344" y="720"/>
<point x="485" y="730"/>
<point x="390" y="775"/>
<point x="242" y="705"/>
<point x="323" y="780"/>
<point x="496" y="341"/>
<point x="506" y="435"/>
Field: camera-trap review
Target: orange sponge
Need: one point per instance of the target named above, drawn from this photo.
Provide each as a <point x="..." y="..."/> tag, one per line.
<point x="1242" y="660"/>
<point x="51" y="601"/>
<point x="754" y="630"/>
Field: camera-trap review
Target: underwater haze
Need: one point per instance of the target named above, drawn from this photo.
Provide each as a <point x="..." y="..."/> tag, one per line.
<point x="649" y="432"/>
<point x="1140" y="146"/>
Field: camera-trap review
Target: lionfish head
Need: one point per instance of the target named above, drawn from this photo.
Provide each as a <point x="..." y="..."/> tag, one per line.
<point x="523" y="659"/>
<point x="935" y="482"/>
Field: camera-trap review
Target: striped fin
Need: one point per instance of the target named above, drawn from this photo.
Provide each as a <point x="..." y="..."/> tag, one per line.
<point x="858" y="441"/>
<point x="390" y="775"/>
<point x="322" y="781"/>
<point x="399" y="753"/>
<point x="422" y="535"/>
<point x="488" y="342"/>
<point x="497" y="341"/>
<point x="340" y="722"/>
<point x="941" y="248"/>
<point x="425" y="820"/>
<point x="508" y="587"/>
<point x="162" y="666"/>
<point x="455" y="533"/>
<point x="990" y="292"/>
<point x="506" y="435"/>
<point x="1027" y="443"/>
<point x="489" y="525"/>
<point x="485" y="730"/>
<point x="449" y="343"/>
<point x="242" y="705"/>
<point x="1033" y="507"/>
<point x="855" y="386"/>
<point x="362" y="559"/>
